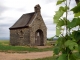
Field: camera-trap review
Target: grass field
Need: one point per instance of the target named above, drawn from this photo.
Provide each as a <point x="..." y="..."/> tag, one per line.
<point x="47" y="58"/>
<point x="4" y="46"/>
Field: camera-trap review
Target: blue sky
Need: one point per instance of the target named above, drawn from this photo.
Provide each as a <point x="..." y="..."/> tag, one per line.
<point x="11" y="11"/>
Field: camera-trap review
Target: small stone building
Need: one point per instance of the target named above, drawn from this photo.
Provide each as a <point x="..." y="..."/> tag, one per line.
<point x="30" y="29"/>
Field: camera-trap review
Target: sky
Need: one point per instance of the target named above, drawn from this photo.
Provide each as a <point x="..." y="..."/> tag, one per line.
<point x="12" y="10"/>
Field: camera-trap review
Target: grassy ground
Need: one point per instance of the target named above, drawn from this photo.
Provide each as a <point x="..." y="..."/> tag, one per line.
<point x="4" y="46"/>
<point x="47" y="58"/>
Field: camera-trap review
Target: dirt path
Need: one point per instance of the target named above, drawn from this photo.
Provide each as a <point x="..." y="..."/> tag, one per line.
<point x="19" y="56"/>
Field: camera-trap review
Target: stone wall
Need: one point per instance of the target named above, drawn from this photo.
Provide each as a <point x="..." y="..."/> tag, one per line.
<point x="20" y="36"/>
<point x="38" y="24"/>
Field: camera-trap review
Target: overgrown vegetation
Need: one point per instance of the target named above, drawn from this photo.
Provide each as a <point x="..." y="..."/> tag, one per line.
<point x="66" y="44"/>
<point x="4" y="46"/>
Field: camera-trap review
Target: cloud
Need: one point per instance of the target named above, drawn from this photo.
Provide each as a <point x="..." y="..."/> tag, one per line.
<point x="48" y="1"/>
<point x="4" y="32"/>
<point x="51" y="34"/>
<point x="2" y="25"/>
<point x="72" y="4"/>
<point x="2" y="18"/>
<point x="2" y="7"/>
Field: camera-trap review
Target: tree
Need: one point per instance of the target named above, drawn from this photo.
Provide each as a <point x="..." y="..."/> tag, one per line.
<point x="66" y="44"/>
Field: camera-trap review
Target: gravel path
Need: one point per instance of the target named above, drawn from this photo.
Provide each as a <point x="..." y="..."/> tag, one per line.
<point x="20" y="56"/>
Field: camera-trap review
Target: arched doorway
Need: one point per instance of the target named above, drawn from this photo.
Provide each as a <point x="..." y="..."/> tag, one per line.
<point x="39" y="38"/>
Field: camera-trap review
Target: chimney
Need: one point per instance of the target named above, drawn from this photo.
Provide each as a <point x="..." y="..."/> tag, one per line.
<point x="37" y="8"/>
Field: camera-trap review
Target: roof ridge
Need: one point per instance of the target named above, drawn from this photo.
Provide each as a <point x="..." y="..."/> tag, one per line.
<point x="29" y="13"/>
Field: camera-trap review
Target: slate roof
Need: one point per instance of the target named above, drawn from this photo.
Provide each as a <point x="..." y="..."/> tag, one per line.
<point x="23" y="21"/>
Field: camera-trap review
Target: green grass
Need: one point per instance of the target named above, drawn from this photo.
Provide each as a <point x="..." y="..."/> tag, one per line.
<point x="4" y="46"/>
<point x="47" y="58"/>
